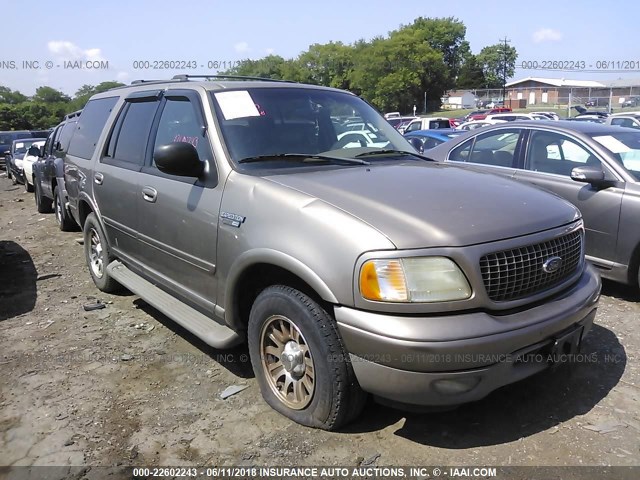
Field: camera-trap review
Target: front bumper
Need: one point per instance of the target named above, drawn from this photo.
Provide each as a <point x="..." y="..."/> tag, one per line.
<point x="459" y="358"/>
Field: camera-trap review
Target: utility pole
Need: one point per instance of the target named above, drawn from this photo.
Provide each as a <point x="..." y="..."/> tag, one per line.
<point x="504" y="71"/>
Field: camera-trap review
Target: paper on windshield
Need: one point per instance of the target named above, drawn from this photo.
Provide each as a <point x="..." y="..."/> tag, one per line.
<point x="236" y="104"/>
<point x="19" y="145"/>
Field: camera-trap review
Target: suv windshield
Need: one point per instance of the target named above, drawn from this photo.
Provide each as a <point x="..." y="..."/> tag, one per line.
<point x="263" y="122"/>
<point x="625" y="147"/>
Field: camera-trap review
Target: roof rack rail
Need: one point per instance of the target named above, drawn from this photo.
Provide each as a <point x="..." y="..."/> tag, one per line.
<point x="185" y="77"/>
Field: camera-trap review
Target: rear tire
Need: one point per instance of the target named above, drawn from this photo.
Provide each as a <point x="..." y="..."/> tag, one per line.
<point x="43" y="204"/>
<point x="98" y="255"/>
<point x="299" y="361"/>
<point x="66" y="223"/>
<point x="27" y="186"/>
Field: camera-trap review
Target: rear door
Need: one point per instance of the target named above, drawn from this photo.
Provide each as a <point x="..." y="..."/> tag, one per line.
<point x="116" y="174"/>
<point x="497" y="151"/>
<point x="178" y="216"/>
<point x="549" y="159"/>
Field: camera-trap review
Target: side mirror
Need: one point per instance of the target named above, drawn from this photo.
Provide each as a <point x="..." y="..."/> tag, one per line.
<point x="34" y="151"/>
<point x="178" y="158"/>
<point x="592" y="175"/>
<point x="417" y="144"/>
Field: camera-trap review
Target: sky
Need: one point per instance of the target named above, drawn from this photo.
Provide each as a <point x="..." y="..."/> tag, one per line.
<point x="117" y="36"/>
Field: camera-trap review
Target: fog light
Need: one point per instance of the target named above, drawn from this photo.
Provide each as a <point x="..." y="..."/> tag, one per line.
<point x="456" y="386"/>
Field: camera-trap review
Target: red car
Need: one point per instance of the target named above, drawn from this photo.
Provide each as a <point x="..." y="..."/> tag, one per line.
<point x="482" y="116"/>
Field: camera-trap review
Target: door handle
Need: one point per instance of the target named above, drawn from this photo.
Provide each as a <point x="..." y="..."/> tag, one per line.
<point x="98" y="178"/>
<point x="149" y="194"/>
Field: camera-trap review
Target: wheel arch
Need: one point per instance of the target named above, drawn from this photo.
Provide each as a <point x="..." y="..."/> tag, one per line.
<point x="256" y="270"/>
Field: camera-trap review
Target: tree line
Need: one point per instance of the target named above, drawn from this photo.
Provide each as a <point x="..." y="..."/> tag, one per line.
<point x="46" y="108"/>
<point x="413" y="65"/>
<point x="424" y="59"/>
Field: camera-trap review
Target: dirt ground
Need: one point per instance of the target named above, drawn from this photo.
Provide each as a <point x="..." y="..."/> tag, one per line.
<point x="125" y="386"/>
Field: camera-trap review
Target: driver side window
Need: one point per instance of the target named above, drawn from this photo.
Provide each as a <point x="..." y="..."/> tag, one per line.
<point x="558" y="154"/>
<point x="179" y="123"/>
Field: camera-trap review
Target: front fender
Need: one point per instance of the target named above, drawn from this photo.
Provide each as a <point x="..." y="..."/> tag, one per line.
<point x="275" y="258"/>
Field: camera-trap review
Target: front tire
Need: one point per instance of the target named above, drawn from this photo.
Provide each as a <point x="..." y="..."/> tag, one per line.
<point x="98" y="255"/>
<point x="299" y="361"/>
<point x="27" y="186"/>
<point x="66" y="223"/>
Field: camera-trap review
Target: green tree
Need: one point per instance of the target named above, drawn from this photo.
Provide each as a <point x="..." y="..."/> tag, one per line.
<point x="492" y="59"/>
<point x="11" y="96"/>
<point x="50" y="95"/>
<point x="471" y="74"/>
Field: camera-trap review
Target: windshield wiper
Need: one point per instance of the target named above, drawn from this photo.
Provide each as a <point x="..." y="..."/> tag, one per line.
<point x="396" y="152"/>
<point x="304" y="157"/>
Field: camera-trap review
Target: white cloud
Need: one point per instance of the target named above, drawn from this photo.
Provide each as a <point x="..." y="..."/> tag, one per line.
<point x="270" y="51"/>
<point x="122" y="76"/>
<point x="547" y="35"/>
<point x="242" y="47"/>
<point x="66" y="50"/>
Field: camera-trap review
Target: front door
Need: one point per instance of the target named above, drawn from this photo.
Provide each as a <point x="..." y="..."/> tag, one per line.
<point x="179" y="215"/>
<point x="549" y="160"/>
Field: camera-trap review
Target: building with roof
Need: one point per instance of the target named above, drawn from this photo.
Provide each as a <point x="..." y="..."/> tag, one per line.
<point x="542" y="91"/>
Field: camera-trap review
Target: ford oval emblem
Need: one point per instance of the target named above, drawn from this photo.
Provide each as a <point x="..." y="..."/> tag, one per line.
<point x="552" y="264"/>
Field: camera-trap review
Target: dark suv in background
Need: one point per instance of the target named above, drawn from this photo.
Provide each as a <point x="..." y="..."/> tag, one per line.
<point x="238" y="210"/>
<point x="48" y="173"/>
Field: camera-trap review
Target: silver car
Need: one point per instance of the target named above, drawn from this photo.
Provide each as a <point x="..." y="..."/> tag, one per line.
<point x="596" y="167"/>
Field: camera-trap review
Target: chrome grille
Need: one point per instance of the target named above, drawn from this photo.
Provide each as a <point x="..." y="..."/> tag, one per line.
<point x="518" y="273"/>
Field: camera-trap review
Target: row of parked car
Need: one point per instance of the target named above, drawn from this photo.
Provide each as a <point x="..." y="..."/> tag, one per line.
<point x="253" y="210"/>
<point x="36" y="161"/>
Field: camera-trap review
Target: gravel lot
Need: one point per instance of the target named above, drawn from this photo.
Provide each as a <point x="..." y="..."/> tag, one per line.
<point x="123" y="385"/>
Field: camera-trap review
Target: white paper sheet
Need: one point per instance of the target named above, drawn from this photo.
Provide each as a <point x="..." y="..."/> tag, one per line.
<point x="237" y="104"/>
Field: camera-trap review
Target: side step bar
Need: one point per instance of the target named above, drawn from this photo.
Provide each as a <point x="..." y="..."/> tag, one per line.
<point x="203" y="327"/>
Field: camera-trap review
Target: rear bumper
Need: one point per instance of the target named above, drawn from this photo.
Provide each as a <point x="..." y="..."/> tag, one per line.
<point x="415" y="365"/>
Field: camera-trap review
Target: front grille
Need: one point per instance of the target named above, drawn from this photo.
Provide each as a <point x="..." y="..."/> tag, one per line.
<point x="518" y="273"/>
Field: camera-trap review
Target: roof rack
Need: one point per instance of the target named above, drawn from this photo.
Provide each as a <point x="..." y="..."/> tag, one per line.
<point x="185" y="78"/>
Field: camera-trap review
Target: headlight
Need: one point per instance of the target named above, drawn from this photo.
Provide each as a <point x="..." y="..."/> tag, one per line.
<point x="419" y="279"/>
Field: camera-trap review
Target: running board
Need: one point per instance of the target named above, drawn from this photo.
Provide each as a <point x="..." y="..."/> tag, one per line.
<point x="203" y="327"/>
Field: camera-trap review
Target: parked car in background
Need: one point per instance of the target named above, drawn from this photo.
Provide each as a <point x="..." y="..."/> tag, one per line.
<point x="493" y="111"/>
<point x="391" y="115"/>
<point x="397" y="122"/>
<point x="629" y="121"/>
<point x="550" y="115"/>
<point x="48" y="174"/>
<point x="512" y="117"/>
<point x="6" y="140"/>
<point x="473" y="124"/>
<point x="427" y="139"/>
<point x="26" y="175"/>
<point x="595" y="167"/>
<point x="427" y="123"/>
<point x="328" y="260"/>
<point x="13" y="158"/>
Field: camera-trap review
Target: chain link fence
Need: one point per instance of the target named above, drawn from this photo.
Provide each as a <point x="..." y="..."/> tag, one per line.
<point x="618" y="99"/>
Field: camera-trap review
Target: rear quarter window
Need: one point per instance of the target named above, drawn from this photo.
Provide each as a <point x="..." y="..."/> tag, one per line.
<point x="92" y="122"/>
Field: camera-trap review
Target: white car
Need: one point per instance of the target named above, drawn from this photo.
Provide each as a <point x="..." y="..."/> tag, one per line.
<point x="510" y="117"/>
<point x="629" y="121"/>
<point x="550" y="115"/>
<point x="473" y="124"/>
<point x="27" y="166"/>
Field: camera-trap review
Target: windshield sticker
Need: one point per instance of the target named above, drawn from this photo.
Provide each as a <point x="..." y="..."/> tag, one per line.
<point x="237" y="104"/>
<point x="19" y="145"/>
<point x="612" y="143"/>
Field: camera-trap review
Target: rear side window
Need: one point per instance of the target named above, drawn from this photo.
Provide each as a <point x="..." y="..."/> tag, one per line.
<point x="433" y="124"/>
<point x="92" y="121"/>
<point x="129" y="139"/>
<point x="62" y="144"/>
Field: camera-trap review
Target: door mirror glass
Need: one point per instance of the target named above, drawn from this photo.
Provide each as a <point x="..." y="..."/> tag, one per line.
<point x="178" y="158"/>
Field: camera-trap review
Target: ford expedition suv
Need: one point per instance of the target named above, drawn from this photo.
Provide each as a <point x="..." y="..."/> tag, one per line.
<point x="232" y="206"/>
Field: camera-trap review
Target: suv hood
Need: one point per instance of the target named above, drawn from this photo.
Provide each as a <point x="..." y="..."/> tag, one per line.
<point x="419" y="205"/>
